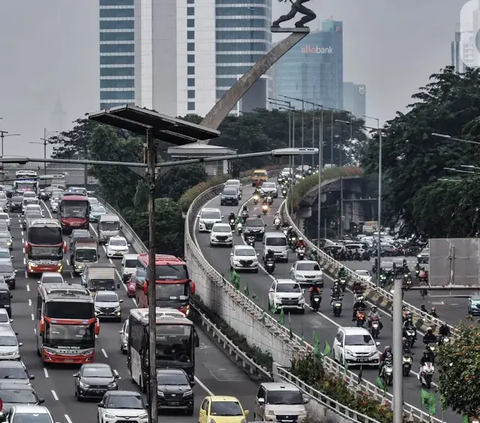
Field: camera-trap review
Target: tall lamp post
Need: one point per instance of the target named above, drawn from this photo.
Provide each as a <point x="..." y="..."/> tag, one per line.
<point x="44" y="142"/>
<point x="5" y="134"/>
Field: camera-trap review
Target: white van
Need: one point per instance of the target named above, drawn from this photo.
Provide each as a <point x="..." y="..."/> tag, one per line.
<point x="277" y="242"/>
<point x="108" y="226"/>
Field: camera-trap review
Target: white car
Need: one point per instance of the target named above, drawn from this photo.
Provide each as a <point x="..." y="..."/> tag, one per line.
<point x="33" y="207"/>
<point x="51" y="277"/>
<point x="129" y="266"/>
<point x="244" y="257"/>
<point x="108" y="305"/>
<point x="365" y="274"/>
<point x="207" y="218"/>
<point x="269" y="188"/>
<point x="4" y="317"/>
<point x="286" y="294"/>
<point x="117" y="247"/>
<point x="221" y="235"/>
<point x="54" y="205"/>
<point x="30" y="413"/>
<point x="306" y="272"/>
<point x="112" y="407"/>
<point x="355" y="346"/>
<point x="5" y="217"/>
<point x="9" y="345"/>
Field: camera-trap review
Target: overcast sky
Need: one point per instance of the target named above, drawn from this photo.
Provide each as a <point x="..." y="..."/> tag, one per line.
<point x="49" y="51"/>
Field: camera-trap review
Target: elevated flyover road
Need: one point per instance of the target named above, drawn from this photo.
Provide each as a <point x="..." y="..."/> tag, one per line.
<point x="323" y="323"/>
<point x="215" y="373"/>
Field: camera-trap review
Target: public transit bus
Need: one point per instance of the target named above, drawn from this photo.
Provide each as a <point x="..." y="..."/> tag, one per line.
<point x="44" y="246"/>
<point x="176" y="339"/>
<point x="173" y="286"/>
<point x="66" y="324"/>
<point x="73" y="212"/>
<point x="22" y="185"/>
<point x="26" y="174"/>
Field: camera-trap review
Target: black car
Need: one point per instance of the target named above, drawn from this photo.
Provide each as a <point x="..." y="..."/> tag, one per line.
<point x="15" y="371"/>
<point x="254" y="226"/>
<point x="93" y="380"/>
<point x="229" y="196"/>
<point x="5" y="297"/>
<point x="78" y="233"/>
<point x="13" y="394"/>
<point x="16" y="204"/>
<point x="174" y="390"/>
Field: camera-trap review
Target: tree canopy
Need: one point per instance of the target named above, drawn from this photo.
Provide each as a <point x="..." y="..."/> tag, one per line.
<point x="413" y="159"/>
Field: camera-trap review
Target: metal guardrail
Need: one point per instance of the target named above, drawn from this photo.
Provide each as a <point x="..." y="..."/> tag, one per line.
<point x="331" y="367"/>
<point x="212" y="329"/>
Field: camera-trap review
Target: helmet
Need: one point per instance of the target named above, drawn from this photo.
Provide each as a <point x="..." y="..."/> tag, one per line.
<point x="429" y="330"/>
<point x="434" y="309"/>
<point x="404" y="340"/>
<point x="374" y="308"/>
<point x="300" y="239"/>
<point x="426" y="353"/>
<point x="444" y="323"/>
<point x="388" y="349"/>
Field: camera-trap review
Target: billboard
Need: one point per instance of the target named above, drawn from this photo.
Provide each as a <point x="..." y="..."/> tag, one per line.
<point x="454" y="261"/>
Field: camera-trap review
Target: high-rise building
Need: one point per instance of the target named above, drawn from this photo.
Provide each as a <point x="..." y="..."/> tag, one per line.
<point x="354" y="99"/>
<point x="117" y="53"/>
<point x="313" y="69"/>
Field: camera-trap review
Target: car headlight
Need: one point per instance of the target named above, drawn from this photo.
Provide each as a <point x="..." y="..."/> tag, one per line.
<point x="269" y="413"/>
<point x="142" y="416"/>
<point x="84" y="385"/>
<point x="278" y="299"/>
<point x="160" y="394"/>
<point x="348" y="352"/>
<point x="110" y="416"/>
<point x="188" y="393"/>
<point x="301" y="300"/>
<point x="112" y="385"/>
<point x="12" y="276"/>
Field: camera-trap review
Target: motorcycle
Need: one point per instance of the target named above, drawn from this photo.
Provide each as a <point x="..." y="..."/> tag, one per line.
<point x="270" y="266"/>
<point x="265" y="208"/>
<point x="407" y="364"/>
<point x="131" y="289"/>
<point x="239" y="228"/>
<point x="425" y="375"/>
<point x="343" y="282"/>
<point x="358" y="297"/>
<point x="408" y="282"/>
<point x="277" y="222"/>
<point x="336" y="307"/>
<point x="269" y="200"/>
<point x="387" y="372"/>
<point x="315" y="301"/>
<point x="410" y="335"/>
<point x="293" y="243"/>
<point x="443" y="340"/>
<point x="360" y="318"/>
<point x="250" y="240"/>
<point x="231" y="222"/>
<point x="375" y="328"/>
<point x="256" y="197"/>
<point x="301" y="253"/>
<point x="284" y="192"/>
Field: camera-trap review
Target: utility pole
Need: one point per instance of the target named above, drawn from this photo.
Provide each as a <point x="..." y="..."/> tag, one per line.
<point x="397" y="352"/>
<point x="320" y="170"/>
<point x="340" y="148"/>
<point x="45" y="150"/>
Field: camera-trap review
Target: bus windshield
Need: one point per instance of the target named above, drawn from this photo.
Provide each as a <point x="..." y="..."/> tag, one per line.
<point x="171" y="272"/>
<point x="25" y="185"/>
<point x="110" y="226"/>
<point x="70" y="335"/>
<point x="174" y="343"/>
<point x="75" y="208"/>
<point x="45" y="235"/>
<point x="47" y="253"/>
<point x="172" y="291"/>
<point x="69" y="310"/>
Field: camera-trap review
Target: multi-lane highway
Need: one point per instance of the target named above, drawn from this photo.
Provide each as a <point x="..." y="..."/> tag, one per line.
<point x="323" y="323"/>
<point x="215" y="373"/>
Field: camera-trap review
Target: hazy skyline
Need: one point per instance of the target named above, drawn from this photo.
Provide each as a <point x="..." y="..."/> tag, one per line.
<point x="49" y="51"/>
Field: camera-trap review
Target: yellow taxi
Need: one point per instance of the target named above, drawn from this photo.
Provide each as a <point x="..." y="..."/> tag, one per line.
<point x="220" y="409"/>
<point x="259" y="176"/>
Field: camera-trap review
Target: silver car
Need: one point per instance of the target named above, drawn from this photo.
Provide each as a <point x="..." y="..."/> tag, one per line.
<point x="9" y="345"/>
<point x="305" y="272"/>
<point x="124" y="337"/>
<point x="107" y="305"/>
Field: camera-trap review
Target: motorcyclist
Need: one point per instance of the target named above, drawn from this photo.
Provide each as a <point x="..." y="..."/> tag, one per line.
<point x="336" y="290"/>
<point x="433" y="312"/>
<point x="406" y="347"/>
<point x="269" y="256"/>
<point x="408" y="325"/>
<point x="342" y="273"/>
<point x="359" y="305"/>
<point x="301" y="243"/>
<point x="427" y="357"/>
<point x="444" y="330"/>
<point x="387" y="354"/>
<point x="373" y="314"/>
<point x="423" y="309"/>
<point x="357" y="287"/>
<point x="429" y="337"/>
<point x="314" y="289"/>
<point x="232" y="217"/>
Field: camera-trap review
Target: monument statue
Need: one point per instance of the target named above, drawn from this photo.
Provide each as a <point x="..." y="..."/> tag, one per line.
<point x="297" y="7"/>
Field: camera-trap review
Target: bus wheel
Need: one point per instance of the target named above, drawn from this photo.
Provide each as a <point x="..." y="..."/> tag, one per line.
<point x="38" y="352"/>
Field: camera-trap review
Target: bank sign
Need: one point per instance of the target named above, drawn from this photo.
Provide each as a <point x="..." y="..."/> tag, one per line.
<point x="317" y="50"/>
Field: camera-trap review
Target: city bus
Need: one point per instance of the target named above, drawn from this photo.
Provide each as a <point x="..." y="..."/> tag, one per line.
<point x="44" y="246"/>
<point x="22" y="185"/>
<point x="173" y="286"/>
<point x="176" y="340"/>
<point x="73" y="212"/>
<point x="26" y="174"/>
<point x="66" y="324"/>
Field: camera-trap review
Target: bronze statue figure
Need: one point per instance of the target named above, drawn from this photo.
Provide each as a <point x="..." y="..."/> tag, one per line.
<point x="297" y="7"/>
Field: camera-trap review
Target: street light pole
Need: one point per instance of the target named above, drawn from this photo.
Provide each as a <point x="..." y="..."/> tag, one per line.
<point x="5" y="134"/>
<point x="320" y="170"/>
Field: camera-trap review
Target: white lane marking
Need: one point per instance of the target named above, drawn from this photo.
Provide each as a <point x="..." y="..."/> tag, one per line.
<point x="33" y="317"/>
<point x="68" y="262"/>
<point x="20" y="221"/>
<point x="119" y="377"/>
<point x="23" y="241"/>
<point x="30" y="302"/>
<point x="45" y="371"/>
<point x="104" y="353"/>
<point x="54" y="395"/>
<point x="24" y="261"/>
<point x="23" y="250"/>
<point x="22" y="233"/>
<point x="203" y="386"/>
<point x="67" y="418"/>
<point x="47" y="209"/>
<point x="35" y="331"/>
<point x="28" y="288"/>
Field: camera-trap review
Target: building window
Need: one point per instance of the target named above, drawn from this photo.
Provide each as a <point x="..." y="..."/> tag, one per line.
<point x="117" y="60"/>
<point x="226" y="82"/>
<point x="191" y="70"/>
<point x="191" y="94"/>
<point x="130" y="71"/>
<point x="242" y="23"/>
<point x="241" y="11"/>
<point x="191" y="35"/>
<point x="232" y="70"/>
<point x="191" y="47"/>
<point x="190" y="1"/>
<point x="191" y="82"/>
<point x="191" y="58"/>
<point x="116" y="2"/>
<point x="117" y="36"/>
<point x="238" y="58"/>
<point x="117" y="24"/>
<point x="241" y="47"/>
<point x="190" y="11"/>
<point x="117" y="13"/>
<point x="243" y="35"/>
<point x="117" y="48"/>
<point x="117" y="83"/>
<point x="117" y="95"/>
<point x="220" y="93"/>
<point x="191" y="106"/>
<point x="190" y="23"/>
<point x="115" y="104"/>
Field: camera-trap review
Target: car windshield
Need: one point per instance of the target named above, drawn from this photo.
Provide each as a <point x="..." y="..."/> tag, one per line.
<point x="225" y="408"/>
<point x="14" y="372"/>
<point x="308" y="267"/>
<point x="118" y="242"/>
<point x="107" y="297"/>
<point x="110" y="226"/>
<point x="171" y="379"/>
<point x="276" y="241"/>
<point x="32" y="418"/>
<point x="4" y="255"/>
<point x="289" y="287"/>
<point x="17" y="199"/>
<point x="127" y="402"/>
<point x="284" y="397"/>
<point x="245" y="252"/>
<point x="222" y="229"/>
<point x="211" y="215"/>
<point x="8" y="341"/>
<point x="5" y="235"/>
<point x="81" y="233"/>
<point x="358" y="340"/>
<point x="94" y="371"/>
<point x="31" y="214"/>
<point x="230" y="191"/>
<point x="52" y="279"/>
<point x="4" y="316"/>
<point x="18" y="396"/>
<point x="4" y="216"/>
<point x="6" y="268"/>
<point x="268" y="185"/>
<point x="254" y="223"/>
<point x="130" y="263"/>
<point x="98" y="209"/>
<point x="426" y="251"/>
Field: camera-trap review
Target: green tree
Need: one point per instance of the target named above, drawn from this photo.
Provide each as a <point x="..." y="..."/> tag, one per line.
<point x="174" y="181"/>
<point x="74" y="143"/>
<point x="459" y="362"/>
<point x="412" y="157"/>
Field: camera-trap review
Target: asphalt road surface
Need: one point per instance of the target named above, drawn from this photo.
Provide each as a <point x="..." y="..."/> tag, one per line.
<point x="215" y="373"/>
<point x="323" y="322"/>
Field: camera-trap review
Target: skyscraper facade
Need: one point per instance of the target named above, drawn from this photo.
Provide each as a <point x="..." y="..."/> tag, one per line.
<point x="117" y="53"/>
<point x="313" y="69"/>
<point x="354" y="99"/>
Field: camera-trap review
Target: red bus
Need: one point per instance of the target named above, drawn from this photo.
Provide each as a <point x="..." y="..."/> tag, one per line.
<point x="44" y="246"/>
<point x="73" y="212"/>
<point x="173" y="285"/>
